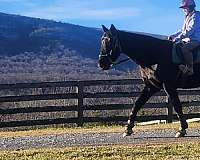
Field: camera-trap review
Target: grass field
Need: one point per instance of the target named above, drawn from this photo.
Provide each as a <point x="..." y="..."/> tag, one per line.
<point x="144" y="152"/>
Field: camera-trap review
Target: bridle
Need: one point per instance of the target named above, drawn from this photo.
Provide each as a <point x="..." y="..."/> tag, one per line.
<point x="116" y="44"/>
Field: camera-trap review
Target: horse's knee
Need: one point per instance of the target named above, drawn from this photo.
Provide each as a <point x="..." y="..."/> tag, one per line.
<point x="144" y="97"/>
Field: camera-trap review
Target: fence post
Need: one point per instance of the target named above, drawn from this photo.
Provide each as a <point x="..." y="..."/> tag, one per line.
<point x="169" y="110"/>
<point x="80" y="103"/>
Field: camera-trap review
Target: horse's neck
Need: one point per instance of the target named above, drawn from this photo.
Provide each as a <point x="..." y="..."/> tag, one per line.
<point x="145" y="49"/>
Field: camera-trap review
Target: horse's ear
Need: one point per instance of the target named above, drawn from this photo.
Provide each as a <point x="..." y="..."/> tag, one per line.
<point x="113" y="29"/>
<point x="104" y="28"/>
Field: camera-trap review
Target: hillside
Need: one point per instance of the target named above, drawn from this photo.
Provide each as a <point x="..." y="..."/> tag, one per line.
<point x="34" y="49"/>
<point x="20" y="34"/>
<point x="57" y="66"/>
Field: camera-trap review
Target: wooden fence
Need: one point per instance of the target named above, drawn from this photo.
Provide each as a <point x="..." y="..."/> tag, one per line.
<point x="80" y="94"/>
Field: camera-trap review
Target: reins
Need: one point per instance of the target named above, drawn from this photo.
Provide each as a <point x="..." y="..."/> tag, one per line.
<point x="122" y="61"/>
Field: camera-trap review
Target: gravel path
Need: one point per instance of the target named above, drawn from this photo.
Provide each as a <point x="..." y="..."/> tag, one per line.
<point x="96" y="139"/>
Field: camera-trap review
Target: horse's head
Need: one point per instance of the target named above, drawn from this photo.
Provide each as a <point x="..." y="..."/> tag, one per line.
<point x="110" y="47"/>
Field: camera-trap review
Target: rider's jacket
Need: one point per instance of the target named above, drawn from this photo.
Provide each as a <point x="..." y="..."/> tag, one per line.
<point x="191" y="28"/>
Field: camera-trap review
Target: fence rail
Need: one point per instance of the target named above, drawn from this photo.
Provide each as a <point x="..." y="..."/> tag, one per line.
<point x="80" y="94"/>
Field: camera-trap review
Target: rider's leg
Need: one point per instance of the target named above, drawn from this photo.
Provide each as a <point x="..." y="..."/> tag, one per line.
<point x="188" y="56"/>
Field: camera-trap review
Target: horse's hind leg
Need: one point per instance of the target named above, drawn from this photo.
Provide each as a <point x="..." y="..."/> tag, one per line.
<point x="147" y="92"/>
<point x="173" y="95"/>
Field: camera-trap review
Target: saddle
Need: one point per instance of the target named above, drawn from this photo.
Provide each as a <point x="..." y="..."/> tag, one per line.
<point x="177" y="55"/>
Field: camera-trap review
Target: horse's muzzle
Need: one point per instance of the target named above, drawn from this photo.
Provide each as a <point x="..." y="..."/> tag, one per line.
<point x="104" y="63"/>
<point x="103" y="67"/>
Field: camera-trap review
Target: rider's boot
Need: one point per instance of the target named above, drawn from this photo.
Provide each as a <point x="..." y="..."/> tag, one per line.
<point x="187" y="69"/>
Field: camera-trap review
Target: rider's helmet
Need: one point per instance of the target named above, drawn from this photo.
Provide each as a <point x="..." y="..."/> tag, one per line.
<point x="187" y="4"/>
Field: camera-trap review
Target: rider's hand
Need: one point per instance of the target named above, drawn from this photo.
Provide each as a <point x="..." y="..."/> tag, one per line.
<point x="177" y="39"/>
<point x="170" y="38"/>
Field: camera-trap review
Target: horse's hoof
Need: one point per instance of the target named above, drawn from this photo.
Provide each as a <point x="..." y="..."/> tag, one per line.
<point x="128" y="132"/>
<point x="180" y="133"/>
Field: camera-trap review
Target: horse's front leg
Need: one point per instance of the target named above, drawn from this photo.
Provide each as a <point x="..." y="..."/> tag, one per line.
<point x="147" y="92"/>
<point x="173" y="95"/>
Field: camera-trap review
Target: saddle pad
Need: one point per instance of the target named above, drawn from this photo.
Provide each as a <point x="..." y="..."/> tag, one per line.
<point x="177" y="55"/>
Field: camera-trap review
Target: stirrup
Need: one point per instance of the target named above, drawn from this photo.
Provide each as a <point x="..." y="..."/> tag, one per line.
<point x="186" y="70"/>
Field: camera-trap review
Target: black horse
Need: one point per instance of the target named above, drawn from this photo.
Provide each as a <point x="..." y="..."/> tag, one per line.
<point x="158" y="71"/>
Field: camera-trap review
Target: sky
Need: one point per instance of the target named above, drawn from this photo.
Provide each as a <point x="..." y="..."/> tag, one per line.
<point x="152" y="16"/>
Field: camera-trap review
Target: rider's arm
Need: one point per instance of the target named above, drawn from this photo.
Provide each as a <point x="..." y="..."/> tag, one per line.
<point x="192" y="26"/>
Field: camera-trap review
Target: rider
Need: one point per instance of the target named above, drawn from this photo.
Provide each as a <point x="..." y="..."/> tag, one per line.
<point x="189" y="35"/>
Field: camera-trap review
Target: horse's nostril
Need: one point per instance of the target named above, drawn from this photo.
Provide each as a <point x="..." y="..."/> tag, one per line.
<point x="99" y="66"/>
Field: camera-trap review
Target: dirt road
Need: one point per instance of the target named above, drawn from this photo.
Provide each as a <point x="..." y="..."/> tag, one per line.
<point x="96" y="139"/>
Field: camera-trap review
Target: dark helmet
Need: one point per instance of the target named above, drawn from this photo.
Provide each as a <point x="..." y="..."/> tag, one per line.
<point x="187" y="4"/>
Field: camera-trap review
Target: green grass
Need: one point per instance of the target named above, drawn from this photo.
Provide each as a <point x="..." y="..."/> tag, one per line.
<point x="146" y="152"/>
